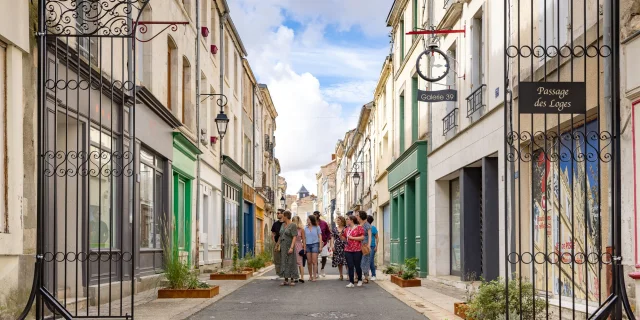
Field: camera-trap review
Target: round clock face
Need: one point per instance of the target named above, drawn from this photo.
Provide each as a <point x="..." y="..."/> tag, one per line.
<point x="439" y="68"/>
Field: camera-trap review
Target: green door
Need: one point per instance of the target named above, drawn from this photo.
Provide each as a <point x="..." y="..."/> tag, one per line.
<point x="182" y="215"/>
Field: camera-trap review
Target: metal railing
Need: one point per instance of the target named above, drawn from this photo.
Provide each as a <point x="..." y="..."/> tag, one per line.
<point x="475" y="101"/>
<point x="449" y="121"/>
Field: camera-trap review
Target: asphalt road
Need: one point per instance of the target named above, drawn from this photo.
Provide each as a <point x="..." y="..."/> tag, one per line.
<point x="327" y="298"/>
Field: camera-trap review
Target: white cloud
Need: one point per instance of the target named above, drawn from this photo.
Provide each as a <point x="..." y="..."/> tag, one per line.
<point x="311" y="118"/>
<point x="351" y="92"/>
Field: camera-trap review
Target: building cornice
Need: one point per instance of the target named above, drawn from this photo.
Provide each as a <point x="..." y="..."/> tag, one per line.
<point x="396" y="12"/>
<point x="270" y="105"/>
<point x="233" y="165"/>
<point x="384" y="75"/>
<point x="148" y="99"/>
<point x="249" y="71"/>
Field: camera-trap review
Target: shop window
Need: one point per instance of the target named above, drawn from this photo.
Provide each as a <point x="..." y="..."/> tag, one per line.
<point x="455" y="218"/>
<point x="151" y="195"/>
<point x="102" y="191"/>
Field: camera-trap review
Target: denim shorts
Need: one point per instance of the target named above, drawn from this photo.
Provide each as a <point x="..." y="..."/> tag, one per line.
<point x="313" y="247"/>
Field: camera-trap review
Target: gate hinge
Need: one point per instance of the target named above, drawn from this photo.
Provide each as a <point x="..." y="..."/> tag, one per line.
<point x="39" y="256"/>
<point x="616" y="258"/>
<point x="38" y="34"/>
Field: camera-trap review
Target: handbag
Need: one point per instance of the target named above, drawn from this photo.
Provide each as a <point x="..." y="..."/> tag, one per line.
<point x="278" y="246"/>
<point x="366" y="250"/>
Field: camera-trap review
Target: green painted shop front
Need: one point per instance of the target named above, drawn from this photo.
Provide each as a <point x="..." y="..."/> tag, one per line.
<point x="408" y="189"/>
<point x="184" y="170"/>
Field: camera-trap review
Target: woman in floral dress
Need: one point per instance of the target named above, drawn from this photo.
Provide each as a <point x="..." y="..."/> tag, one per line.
<point x="338" y="244"/>
<point x="289" y="263"/>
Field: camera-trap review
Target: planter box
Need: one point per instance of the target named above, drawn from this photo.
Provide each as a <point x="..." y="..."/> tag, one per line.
<point x="231" y="276"/>
<point x="268" y="264"/>
<point x="405" y="283"/>
<point x="247" y="269"/>
<point x="189" y="293"/>
<point x="460" y="310"/>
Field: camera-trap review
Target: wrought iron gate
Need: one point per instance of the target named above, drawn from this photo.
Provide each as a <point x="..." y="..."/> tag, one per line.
<point x="86" y="248"/>
<point x="562" y="159"/>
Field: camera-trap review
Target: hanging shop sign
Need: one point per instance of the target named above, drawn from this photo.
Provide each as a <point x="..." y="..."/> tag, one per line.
<point x="437" y="96"/>
<point x="553" y="97"/>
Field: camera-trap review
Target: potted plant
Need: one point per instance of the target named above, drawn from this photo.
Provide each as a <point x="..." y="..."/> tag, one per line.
<point x="182" y="280"/>
<point x="407" y="275"/>
<point x="236" y="272"/>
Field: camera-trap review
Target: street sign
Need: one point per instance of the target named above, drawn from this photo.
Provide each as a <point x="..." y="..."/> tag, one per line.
<point x="437" y="96"/>
<point x="553" y="97"/>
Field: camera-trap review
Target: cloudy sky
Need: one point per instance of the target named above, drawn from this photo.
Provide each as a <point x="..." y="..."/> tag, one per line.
<point x="321" y="61"/>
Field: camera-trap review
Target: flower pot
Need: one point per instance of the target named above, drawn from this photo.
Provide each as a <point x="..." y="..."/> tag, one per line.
<point x="243" y="275"/>
<point x="405" y="283"/>
<point x="200" y="293"/>
<point x="460" y="309"/>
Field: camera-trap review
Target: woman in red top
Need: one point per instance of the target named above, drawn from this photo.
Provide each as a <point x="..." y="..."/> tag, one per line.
<point x="354" y="234"/>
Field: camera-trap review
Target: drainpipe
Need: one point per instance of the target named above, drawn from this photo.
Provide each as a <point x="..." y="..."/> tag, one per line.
<point x="222" y="18"/>
<point x="198" y="134"/>
<point x="253" y="160"/>
<point x="430" y="19"/>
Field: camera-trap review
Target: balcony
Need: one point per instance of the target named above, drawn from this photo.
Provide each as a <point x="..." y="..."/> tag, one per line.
<point x="475" y="101"/>
<point x="449" y="122"/>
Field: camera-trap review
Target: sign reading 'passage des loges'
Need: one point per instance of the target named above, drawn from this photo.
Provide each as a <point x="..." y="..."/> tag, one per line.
<point x="553" y="97"/>
<point x="437" y="96"/>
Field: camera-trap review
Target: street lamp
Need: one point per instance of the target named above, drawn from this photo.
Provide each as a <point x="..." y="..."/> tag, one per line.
<point x="283" y="202"/>
<point x="356" y="179"/>
<point x="222" y="121"/>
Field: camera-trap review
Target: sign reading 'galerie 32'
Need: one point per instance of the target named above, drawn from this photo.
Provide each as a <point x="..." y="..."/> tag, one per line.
<point x="553" y="97"/>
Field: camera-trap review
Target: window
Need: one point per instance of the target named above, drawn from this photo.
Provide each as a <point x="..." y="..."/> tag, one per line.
<point x="88" y="47"/>
<point x="402" y="35"/>
<point x="454" y="210"/>
<point x="231" y="205"/>
<point x="4" y="214"/>
<point x="236" y="135"/>
<point x="172" y="71"/>
<point x="102" y="191"/>
<point x="414" y="109"/>
<point x="226" y="57"/>
<point x="151" y="195"/>
<point x="553" y="20"/>
<point x="186" y="90"/>
<point x="477" y="47"/>
<point x="237" y="75"/>
<point x="214" y="26"/>
<point x="248" y="155"/>
<point x="402" y="125"/>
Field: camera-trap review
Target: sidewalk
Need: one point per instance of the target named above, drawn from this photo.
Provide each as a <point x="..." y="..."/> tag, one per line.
<point x="434" y="300"/>
<point x="149" y="307"/>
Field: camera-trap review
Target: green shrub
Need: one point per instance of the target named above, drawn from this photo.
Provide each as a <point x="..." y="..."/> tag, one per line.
<point x="411" y="264"/>
<point x="235" y="258"/>
<point x="489" y="302"/>
<point x="256" y="263"/>
<point x="409" y="270"/>
<point x="177" y="271"/>
<point x="390" y="269"/>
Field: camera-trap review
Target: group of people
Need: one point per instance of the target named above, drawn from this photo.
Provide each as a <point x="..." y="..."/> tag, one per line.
<point x="352" y="240"/>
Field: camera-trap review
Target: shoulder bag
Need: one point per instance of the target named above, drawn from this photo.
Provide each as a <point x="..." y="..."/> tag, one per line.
<point x="366" y="250"/>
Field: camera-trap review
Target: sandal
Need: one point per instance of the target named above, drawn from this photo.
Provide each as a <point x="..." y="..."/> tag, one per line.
<point x="366" y="280"/>
<point x="301" y="281"/>
<point x="284" y="284"/>
<point x="292" y="284"/>
<point x="341" y="278"/>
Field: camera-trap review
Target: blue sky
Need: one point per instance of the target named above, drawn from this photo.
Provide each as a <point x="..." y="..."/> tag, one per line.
<point x="321" y="61"/>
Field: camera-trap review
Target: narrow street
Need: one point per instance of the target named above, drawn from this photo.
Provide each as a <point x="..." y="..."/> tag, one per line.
<point x="325" y="299"/>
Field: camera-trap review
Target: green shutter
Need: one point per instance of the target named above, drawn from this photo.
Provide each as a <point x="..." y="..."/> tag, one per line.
<point x="414" y="110"/>
<point x="402" y="123"/>
<point x="402" y="40"/>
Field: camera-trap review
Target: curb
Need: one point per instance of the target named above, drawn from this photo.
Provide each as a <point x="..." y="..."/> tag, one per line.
<point x="215" y="299"/>
<point x="429" y="310"/>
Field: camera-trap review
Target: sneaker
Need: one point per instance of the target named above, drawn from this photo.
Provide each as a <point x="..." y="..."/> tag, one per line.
<point x="373" y="278"/>
<point x="359" y="283"/>
<point x="350" y="285"/>
<point x="322" y="273"/>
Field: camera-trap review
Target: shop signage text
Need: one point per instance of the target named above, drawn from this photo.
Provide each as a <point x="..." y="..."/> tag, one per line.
<point x="437" y="96"/>
<point x="553" y="97"/>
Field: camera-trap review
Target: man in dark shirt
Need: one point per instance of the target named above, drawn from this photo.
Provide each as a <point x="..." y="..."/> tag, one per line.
<point x="326" y="235"/>
<point x="275" y="236"/>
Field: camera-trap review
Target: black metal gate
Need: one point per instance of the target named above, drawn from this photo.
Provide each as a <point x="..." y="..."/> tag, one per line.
<point x="86" y="84"/>
<point x="562" y="123"/>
